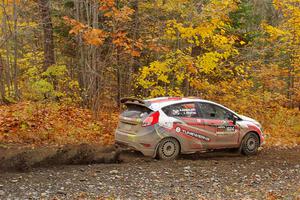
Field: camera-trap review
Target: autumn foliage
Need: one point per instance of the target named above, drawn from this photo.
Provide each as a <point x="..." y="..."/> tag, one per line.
<point x="243" y="54"/>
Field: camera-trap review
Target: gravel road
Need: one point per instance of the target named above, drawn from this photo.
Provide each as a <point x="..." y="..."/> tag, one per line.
<point x="273" y="174"/>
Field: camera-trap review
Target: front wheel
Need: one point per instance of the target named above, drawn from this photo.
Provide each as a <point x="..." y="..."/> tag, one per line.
<point x="168" y="149"/>
<point x="250" y="144"/>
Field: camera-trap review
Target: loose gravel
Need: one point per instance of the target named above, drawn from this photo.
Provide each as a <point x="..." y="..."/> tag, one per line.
<point x="272" y="174"/>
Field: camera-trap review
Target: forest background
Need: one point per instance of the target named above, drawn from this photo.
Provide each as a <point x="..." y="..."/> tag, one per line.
<point x="65" y="64"/>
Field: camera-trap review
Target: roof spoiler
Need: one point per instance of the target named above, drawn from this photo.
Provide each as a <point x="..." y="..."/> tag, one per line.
<point x="131" y="99"/>
<point x="136" y="101"/>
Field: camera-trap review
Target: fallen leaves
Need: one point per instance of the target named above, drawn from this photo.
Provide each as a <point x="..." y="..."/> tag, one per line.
<point x="52" y="123"/>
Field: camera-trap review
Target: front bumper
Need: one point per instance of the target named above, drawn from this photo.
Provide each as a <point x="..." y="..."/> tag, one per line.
<point x="262" y="139"/>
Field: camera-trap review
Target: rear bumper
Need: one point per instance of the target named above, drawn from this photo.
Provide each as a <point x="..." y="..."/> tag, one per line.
<point x="144" y="143"/>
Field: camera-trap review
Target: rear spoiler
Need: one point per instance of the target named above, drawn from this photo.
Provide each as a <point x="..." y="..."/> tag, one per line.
<point x="135" y="101"/>
<point x="131" y="99"/>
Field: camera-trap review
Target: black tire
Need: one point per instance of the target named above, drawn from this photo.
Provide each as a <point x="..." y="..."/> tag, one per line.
<point x="168" y="149"/>
<point x="250" y="144"/>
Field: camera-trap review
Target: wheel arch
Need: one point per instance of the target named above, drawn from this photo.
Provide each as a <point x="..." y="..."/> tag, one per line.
<point x="156" y="148"/>
<point x="249" y="132"/>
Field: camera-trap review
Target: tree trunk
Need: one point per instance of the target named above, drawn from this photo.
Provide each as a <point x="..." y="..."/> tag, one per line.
<point x="7" y="71"/>
<point x="2" y="86"/>
<point x="15" y="64"/>
<point x="49" y="58"/>
<point x="133" y="66"/>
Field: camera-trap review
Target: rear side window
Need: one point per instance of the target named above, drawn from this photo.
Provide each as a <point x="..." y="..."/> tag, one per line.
<point x="181" y="110"/>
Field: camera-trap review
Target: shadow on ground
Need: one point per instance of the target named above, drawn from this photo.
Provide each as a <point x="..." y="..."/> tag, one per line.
<point x="24" y="159"/>
<point x="16" y="159"/>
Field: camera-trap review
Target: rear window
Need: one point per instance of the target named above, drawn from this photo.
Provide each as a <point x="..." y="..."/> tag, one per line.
<point x="181" y="110"/>
<point x="135" y="111"/>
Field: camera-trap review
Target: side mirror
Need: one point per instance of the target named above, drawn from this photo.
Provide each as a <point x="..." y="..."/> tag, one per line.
<point x="234" y="119"/>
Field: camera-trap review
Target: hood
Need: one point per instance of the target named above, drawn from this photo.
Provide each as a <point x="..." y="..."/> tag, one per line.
<point x="245" y="118"/>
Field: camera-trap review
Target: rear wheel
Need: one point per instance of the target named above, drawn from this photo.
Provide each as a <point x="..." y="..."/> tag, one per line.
<point x="168" y="149"/>
<point x="250" y="144"/>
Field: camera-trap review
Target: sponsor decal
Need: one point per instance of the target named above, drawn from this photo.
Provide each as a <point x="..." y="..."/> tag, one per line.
<point x="191" y="133"/>
<point x="184" y="112"/>
<point x="131" y="138"/>
<point x="178" y="129"/>
<point x="225" y="130"/>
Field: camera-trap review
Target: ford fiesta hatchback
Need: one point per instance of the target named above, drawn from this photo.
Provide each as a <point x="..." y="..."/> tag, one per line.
<point x="169" y="126"/>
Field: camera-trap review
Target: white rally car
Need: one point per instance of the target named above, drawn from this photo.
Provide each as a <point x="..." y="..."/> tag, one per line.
<point x="168" y="126"/>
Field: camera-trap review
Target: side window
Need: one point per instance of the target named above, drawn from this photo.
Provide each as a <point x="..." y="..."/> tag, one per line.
<point x="206" y="111"/>
<point x="210" y="111"/>
<point x="181" y="110"/>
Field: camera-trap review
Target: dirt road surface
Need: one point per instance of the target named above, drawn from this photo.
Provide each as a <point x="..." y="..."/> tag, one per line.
<point x="272" y="174"/>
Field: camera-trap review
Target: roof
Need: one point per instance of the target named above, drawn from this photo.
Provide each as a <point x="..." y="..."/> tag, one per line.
<point x="158" y="103"/>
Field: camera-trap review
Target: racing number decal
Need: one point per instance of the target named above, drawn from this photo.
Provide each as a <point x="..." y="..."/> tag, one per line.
<point x="191" y="133"/>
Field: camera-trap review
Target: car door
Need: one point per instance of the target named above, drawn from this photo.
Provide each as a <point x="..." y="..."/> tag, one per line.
<point x="219" y="122"/>
<point x="185" y="113"/>
<point x="188" y="125"/>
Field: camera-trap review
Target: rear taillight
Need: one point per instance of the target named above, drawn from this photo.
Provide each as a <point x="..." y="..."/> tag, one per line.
<point x="151" y="119"/>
